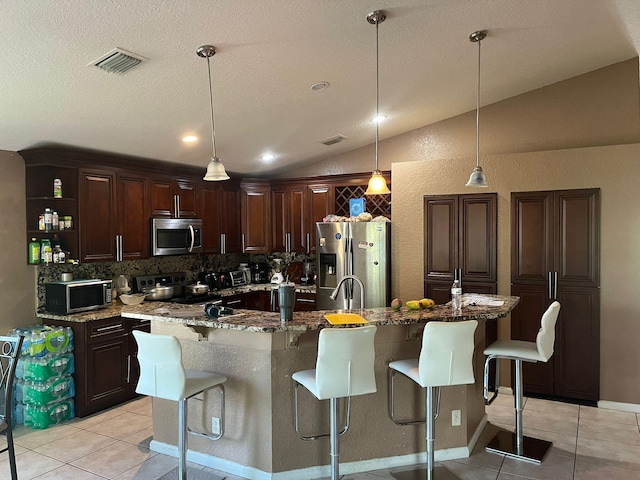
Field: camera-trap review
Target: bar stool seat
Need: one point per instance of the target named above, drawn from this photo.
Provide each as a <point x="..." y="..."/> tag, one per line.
<point x="515" y="444"/>
<point x="162" y="375"/>
<point x="446" y="358"/>
<point x="344" y="368"/>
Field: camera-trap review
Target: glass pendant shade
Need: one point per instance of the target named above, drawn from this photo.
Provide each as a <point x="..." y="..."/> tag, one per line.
<point x="215" y="171"/>
<point x="477" y="179"/>
<point x="377" y="184"/>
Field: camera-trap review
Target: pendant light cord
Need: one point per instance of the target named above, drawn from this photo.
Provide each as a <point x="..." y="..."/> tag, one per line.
<point x="377" y="96"/>
<point x="213" y="135"/>
<point x="478" y="111"/>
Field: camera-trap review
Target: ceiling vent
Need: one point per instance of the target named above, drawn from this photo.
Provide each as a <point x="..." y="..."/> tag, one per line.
<point x="117" y="61"/>
<point x="333" y="140"/>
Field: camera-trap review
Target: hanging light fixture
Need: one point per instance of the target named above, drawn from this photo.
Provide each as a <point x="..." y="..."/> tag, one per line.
<point x="377" y="183"/>
<point x="477" y="178"/>
<point x="215" y="169"/>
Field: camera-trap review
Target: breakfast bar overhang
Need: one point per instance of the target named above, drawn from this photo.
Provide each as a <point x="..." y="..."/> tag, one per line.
<point x="258" y="354"/>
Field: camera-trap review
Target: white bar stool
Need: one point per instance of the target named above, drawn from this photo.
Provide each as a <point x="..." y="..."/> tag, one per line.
<point x="446" y="358"/>
<point x="515" y="444"/>
<point x="344" y="368"/>
<point x="162" y="375"/>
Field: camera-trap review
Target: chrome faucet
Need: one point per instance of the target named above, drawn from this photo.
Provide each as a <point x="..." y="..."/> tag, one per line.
<point x="334" y="294"/>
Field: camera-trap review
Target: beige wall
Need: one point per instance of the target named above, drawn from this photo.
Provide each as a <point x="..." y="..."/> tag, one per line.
<point x="17" y="279"/>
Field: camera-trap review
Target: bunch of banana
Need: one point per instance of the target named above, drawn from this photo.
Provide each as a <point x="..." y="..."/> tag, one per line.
<point x="418" y="304"/>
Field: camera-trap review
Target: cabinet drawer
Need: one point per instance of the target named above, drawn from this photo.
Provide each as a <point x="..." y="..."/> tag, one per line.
<point x="305" y="302"/>
<point x="99" y="330"/>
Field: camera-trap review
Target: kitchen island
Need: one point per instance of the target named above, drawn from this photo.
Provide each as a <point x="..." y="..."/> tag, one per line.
<point x="258" y="353"/>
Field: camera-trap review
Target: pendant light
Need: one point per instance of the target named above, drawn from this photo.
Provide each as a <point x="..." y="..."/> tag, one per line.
<point x="477" y="178"/>
<point x="215" y="169"/>
<point x="377" y="183"/>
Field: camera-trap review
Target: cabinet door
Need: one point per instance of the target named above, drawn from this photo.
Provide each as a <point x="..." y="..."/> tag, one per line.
<point x="577" y="352"/>
<point x="133" y="216"/>
<point x="230" y="217"/>
<point x="107" y="372"/>
<point x="537" y="378"/>
<point x="210" y="208"/>
<point x="531" y="237"/>
<point x="576" y="237"/>
<point x="187" y="194"/>
<point x="478" y="232"/>
<point x="161" y="197"/>
<point x="297" y="210"/>
<point x="321" y="203"/>
<point x="279" y="219"/>
<point x="97" y="210"/>
<point x="256" y="217"/>
<point x="441" y="237"/>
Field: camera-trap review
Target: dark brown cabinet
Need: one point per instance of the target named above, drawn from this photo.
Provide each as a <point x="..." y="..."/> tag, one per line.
<point x="321" y="202"/>
<point x="175" y="198"/>
<point x="255" y="214"/>
<point x="106" y="365"/>
<point x="220" y="211"/>
<point x="289" y="223"/>
<point x="555" y="256"/>
<point x="114" y="224"/>
<point x="460" y="242"/>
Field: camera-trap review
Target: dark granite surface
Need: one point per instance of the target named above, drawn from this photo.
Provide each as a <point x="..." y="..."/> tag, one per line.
<point x="269" y="322"/>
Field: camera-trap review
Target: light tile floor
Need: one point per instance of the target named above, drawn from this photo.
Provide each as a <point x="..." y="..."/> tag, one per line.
<point x="589" y="444"/>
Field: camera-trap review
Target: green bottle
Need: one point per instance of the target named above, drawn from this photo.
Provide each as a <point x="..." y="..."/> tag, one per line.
<point x="34" y="251"/>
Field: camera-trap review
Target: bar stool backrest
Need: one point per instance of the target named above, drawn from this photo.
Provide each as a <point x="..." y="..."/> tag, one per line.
<point x="446" y="357"/>
<point x="161" y="372"/>
<point x="547" y="334"/>
<point x="345" y="362"/>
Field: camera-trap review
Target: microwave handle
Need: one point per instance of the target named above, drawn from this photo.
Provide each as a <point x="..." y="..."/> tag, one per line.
<point x="193" y="238"/>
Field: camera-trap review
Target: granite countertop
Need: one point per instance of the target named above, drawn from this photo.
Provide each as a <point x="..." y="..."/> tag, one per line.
<point x="116" y="309"/>
<point x="269" y="322"/>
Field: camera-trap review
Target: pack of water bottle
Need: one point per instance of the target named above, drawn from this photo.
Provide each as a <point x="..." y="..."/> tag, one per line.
<point x="44" y="388"/>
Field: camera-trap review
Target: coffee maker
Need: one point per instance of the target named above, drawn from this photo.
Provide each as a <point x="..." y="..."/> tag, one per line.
<point x="259" y="273"/>
<point x="308" y="277"/>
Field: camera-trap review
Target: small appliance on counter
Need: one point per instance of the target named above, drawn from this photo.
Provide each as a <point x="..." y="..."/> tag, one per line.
<point x="238" y="278"/>
<point x="183" y="291"/>
<point x="278" y="277"/>
<point x="78" y="295"/>
<point x="259" y="273"/>
<point x="308" y="277"/>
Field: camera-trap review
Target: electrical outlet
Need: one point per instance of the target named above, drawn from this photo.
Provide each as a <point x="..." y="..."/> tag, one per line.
<point x="456" y="419"/>
<point x="215" y="425"/>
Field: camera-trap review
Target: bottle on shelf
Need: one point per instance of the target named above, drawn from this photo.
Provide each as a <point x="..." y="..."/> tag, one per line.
<point x="57" y="188"/>
<point x="46" y="252"/>
<point x="55" y="221"/>
<point x="58" y="255"/>
<point x="456" y="296"/>
<point x="48" y="219"/>
<point x="34" y="251"/>
<point x="41" y="222"/>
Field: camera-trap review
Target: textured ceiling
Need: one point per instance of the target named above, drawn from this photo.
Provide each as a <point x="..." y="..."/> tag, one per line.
<point x="269" y="52"/>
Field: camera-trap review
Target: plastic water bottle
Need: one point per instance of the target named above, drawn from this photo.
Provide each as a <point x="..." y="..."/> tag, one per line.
<point x="456" y="296"/>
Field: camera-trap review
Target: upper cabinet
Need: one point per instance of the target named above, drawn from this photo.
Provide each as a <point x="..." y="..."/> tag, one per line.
<point x="460" y="243"/>
<point x="255" y="208"/>
<point x="289" y="218"/>
<point x="176" y="198"/>
<point x="220" y="212"/>
<point x="321" y="202"/>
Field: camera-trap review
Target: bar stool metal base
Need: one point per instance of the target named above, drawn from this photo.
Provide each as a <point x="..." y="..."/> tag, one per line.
<point x="439" y="473"/>
<point x="533" y="449"/>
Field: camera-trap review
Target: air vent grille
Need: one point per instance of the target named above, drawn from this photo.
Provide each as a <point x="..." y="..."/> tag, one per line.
<point x="118" y="61"/>
<point x="333" y="140"/>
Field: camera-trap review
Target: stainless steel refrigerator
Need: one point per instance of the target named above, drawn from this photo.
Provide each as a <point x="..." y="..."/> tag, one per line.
<point x="362" y="249"/>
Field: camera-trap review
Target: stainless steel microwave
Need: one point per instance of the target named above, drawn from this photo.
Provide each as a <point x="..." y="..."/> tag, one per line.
<point x="77" y="295"/>
<point x="176" y="236"/>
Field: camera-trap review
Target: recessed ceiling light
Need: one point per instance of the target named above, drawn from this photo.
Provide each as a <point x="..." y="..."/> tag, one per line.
<point x="379" y="119"/>
<point x="319" y="86"/>
<point x="189" y="139"/>
<point x="267" y="157"/>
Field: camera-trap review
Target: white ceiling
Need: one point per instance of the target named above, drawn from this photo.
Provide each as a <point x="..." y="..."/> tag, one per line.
<point x="269" y="52"/>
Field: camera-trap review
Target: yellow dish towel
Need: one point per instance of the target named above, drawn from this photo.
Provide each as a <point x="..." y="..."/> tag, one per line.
<point x="345" y="319"/>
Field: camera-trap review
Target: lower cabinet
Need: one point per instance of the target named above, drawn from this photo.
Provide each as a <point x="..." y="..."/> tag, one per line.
<point x="107" y="369"/>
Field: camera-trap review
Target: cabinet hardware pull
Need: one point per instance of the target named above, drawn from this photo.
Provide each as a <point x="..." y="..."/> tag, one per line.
<point x="128" y="368"/>
<point x="109" y="327"/>
<point x="233" y="302"/>
<point x="308" y="243"/>
<point x="549" y="285"/>
<point x="223" y="243"/>
<point x="305" y="300"/>
<point x="243" y="243"/>
<point x="555" y="287"/>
